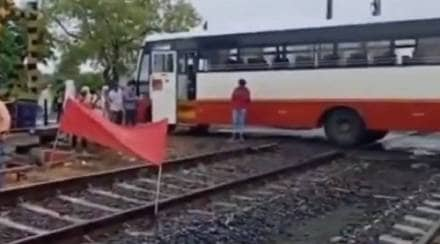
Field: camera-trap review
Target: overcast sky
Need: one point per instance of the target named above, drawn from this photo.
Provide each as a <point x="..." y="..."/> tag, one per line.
<point x="246" y="15"/>
<point x="251" y="15"/>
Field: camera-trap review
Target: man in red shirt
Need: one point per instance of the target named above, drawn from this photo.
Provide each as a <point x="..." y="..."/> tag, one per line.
<point x="241" y="99"/>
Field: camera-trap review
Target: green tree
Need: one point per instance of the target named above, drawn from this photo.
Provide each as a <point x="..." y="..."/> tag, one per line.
<point x="11" y="52"/>
<point x="108" y="33"/>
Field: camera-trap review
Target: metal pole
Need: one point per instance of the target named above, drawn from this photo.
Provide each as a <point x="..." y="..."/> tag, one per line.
<point x="54" y="148"/>
<point x="156" y="203"/>
<point x="46" y="113"/>
<point x="329" y="9"/>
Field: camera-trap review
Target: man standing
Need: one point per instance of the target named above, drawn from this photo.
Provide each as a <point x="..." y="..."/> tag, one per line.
<point x="241" y="99"/>
<point x="5" y="126"/>
<point x="130" y="104"/>
<point x="116" y="101"/>
<point x="104" y="102"/>
<point x="84" y="99"/>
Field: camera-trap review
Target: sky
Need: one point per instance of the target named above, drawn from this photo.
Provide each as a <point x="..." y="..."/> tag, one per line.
<point x="249" y="15"/>
<point x="253" y="15"/>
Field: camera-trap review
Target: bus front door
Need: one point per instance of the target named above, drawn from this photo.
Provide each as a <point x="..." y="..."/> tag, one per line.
<point x="163" y="86"/>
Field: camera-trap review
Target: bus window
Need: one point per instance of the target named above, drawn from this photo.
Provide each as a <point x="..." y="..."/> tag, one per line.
<point x="380" y="53"/>
<point x="253" y="58"/>
<point x="428" y="51"/>
<point x="352" y="54"/>
<point x="182" y="64"/>
<point x="144" y="68"/>
<point x="143" y="72"/>
<point x="302" y="56"/>
<point x="218" y="60"/>
<point x="327" y="55"/>
<point x="163" y="63"/>
<point x="404" y="51"/>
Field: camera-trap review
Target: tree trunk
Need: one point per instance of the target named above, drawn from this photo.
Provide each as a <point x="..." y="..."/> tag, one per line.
<point x="106" y="75"/>
<point x="115" y="63"/>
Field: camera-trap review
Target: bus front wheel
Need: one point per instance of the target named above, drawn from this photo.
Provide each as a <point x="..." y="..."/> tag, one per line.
<point x="344" y="127"/>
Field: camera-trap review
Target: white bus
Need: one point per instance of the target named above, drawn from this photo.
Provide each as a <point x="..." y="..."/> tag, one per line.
<point x="357" y="81"/>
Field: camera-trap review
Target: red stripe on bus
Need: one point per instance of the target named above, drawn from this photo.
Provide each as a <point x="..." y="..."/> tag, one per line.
<point x="386" y="114"/>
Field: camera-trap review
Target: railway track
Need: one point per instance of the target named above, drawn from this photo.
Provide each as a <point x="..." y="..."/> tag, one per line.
<point x="76" y="206"/>
<point x="413" y="220"/>
<point x="68" y="209"/>
<point x="178" y="224"/>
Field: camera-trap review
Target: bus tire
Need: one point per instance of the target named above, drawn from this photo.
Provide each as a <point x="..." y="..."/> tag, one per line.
<point x="375" y="135"/>
<point x="345" y="128"/>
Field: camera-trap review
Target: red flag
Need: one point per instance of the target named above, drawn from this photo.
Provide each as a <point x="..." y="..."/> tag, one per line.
<point x="147" y="142"/>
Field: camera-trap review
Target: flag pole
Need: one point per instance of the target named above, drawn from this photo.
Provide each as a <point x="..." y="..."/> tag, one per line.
<point x="156" y="202"/>
<point x="54" y="147"/>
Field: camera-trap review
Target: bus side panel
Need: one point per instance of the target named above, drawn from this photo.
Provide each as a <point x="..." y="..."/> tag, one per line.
<point x="261" y="112"/>
<point x="392" y="98"/>
<point x="378" y="115"/>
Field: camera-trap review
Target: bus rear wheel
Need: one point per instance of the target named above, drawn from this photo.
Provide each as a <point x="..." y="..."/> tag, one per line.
<point x="345" y="128"/>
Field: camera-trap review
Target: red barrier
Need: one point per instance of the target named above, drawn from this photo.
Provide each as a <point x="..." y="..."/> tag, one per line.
<point x="147" y="141"/>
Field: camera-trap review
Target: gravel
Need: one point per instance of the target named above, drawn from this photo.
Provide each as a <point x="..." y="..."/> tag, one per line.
<point x="309" y="210"/>
<point x="8" y="234"/>
<point x="231" y="225"/>
<point x="36" y="220"/>
<point x="72" y="210"/>
<point x="103" y="200"/>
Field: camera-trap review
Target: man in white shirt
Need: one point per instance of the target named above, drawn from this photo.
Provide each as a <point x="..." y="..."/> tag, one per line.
<point x="116" y="101"/>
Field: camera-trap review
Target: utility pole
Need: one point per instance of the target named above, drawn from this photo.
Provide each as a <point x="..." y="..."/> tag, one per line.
<point x="329" y="9"/>
<point x="376" y="8"/>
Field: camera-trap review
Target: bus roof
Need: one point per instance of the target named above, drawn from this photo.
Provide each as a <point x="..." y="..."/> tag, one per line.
<point x="353" y="32"/>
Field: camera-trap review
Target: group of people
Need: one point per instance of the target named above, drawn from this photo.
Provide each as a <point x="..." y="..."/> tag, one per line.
<point x="119" y="104"/>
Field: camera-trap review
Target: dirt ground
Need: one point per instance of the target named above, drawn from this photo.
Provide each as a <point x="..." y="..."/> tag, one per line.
<point x="104" y="160"/>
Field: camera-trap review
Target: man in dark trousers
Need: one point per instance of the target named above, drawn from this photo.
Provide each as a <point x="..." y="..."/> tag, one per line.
<point x="130" y="104"/>
<point x="241" y="99"/>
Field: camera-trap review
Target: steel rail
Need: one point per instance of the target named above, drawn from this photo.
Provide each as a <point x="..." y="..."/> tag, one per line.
<point x="41" y="190"/>
<point x="78" y="230"/>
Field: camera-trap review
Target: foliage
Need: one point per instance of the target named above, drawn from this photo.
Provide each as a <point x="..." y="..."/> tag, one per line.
<point x="108" y="33"/>
<point x="11" y="50"/>
<point x="92" y="80"/>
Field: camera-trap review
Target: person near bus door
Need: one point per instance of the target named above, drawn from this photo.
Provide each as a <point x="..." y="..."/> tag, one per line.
<point x="241" y="99"/>
<point x="116" y="104"/>
<point x="130" y="104"/>
<point x="5" y="126"/>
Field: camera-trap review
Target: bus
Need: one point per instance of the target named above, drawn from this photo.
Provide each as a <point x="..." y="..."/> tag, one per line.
<point x="357" y="81"/>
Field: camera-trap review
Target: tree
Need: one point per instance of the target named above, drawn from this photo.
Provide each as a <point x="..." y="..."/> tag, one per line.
<point x="12" y="49"/>
<point x="108" y="33"/>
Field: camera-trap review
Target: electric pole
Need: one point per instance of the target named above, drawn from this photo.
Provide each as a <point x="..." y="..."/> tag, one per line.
<point x="329" y="9"/>
<point x="376" y="8"/>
